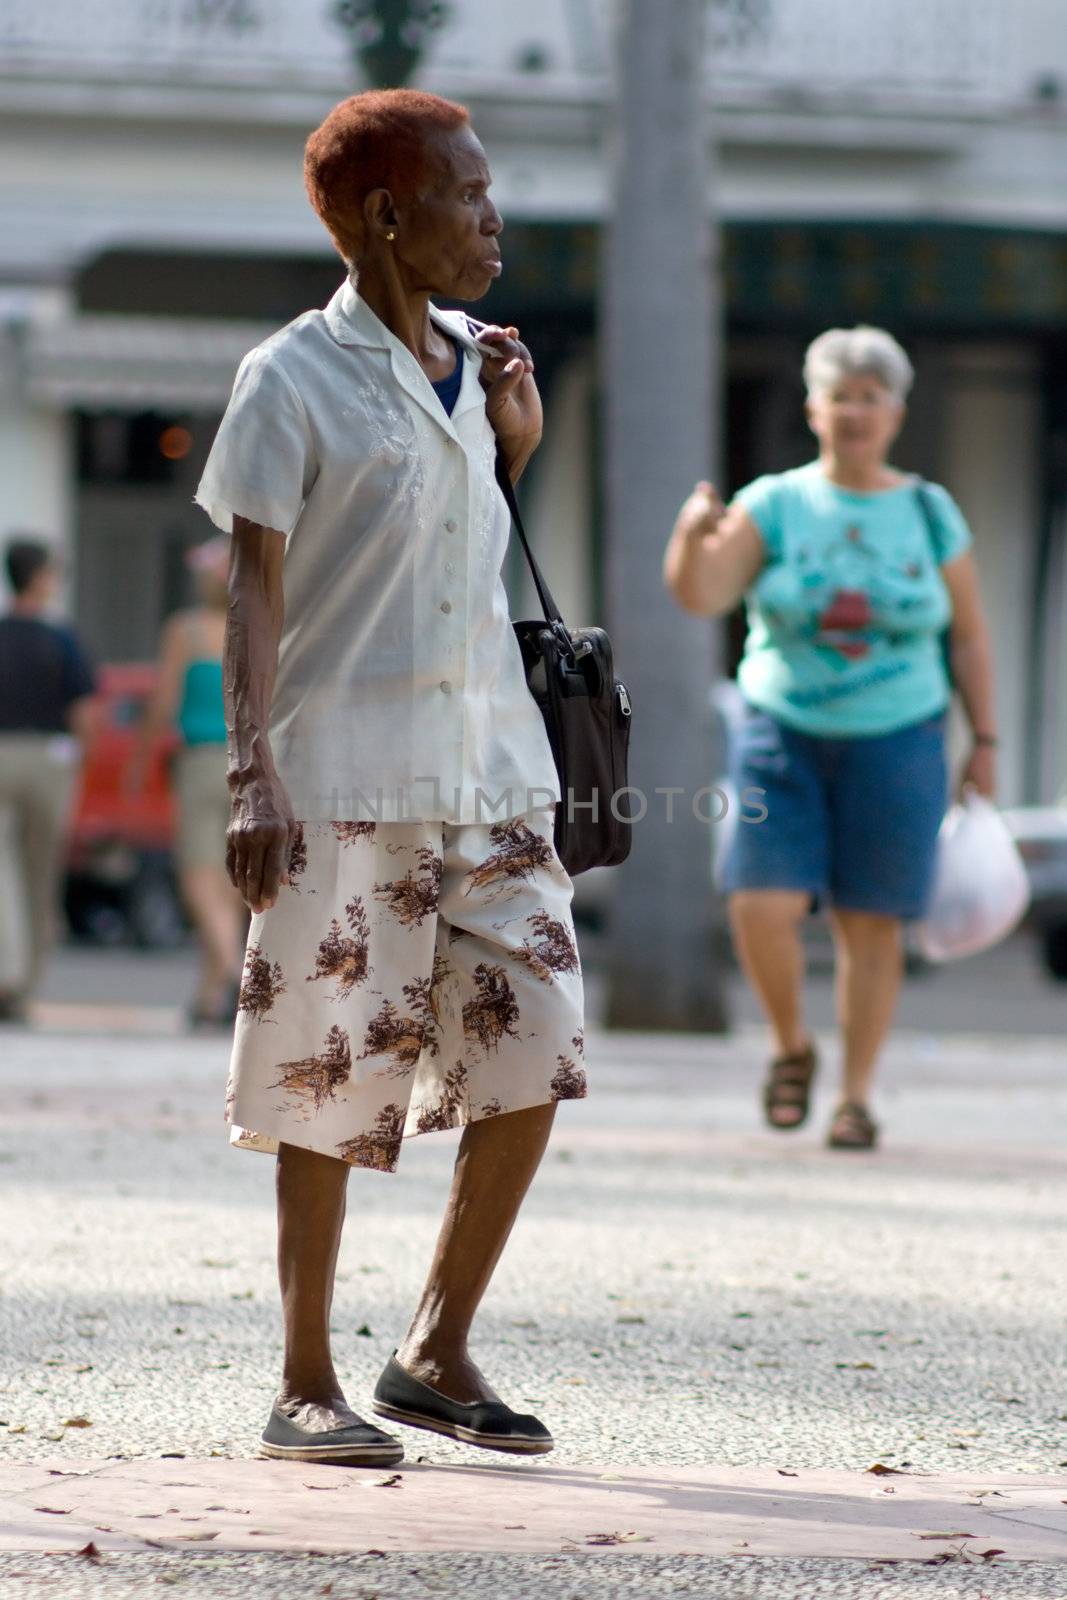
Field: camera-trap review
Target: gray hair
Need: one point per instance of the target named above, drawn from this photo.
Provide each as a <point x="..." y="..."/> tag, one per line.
<point x="845" y="352"/>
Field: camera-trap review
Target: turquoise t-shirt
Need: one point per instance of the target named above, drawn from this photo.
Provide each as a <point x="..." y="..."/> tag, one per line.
<point x="846" y="618"/>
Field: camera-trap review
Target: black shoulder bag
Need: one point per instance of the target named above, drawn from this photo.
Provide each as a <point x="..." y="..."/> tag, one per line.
<point x="587" y="715"/>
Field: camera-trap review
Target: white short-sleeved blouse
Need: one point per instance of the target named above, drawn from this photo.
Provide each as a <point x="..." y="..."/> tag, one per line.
<point x="400" y="693"/>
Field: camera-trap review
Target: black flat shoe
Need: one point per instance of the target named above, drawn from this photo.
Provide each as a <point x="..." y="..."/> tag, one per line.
<point x="490" y="1424"/>
<point x="361" y="1444"/>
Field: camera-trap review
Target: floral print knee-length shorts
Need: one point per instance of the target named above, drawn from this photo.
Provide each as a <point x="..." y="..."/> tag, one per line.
<point x="410" y="977"/>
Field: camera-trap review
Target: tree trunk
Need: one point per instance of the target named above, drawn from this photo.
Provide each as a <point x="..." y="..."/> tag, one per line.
<point x="660" y="310"/>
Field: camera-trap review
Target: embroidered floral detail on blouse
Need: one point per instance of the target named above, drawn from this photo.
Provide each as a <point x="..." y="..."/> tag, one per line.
<point x="579" y="1042"/>
<point x="347" y="960"/>
<point x="414" y="897"/>
<point x="379" y="1148"/>
<point x="352" y="832"/>
<point x="491" y="1108"/>
<point x="518" y="852"/>
<point x="569" y="1081"/>
<point x="555" y="950"/>
<point x="494" y="1011"/>
<point x="442" y="1114"/>
<point x="316" y="1078"/>
<point x="261" y="984"/>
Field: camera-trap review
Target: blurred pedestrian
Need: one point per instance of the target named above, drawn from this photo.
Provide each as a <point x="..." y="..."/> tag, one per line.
<point x="188" y="695"/>
<point x="46" y="719"/>
<point x="863" y="603"/>
<point x="411" y="962"/>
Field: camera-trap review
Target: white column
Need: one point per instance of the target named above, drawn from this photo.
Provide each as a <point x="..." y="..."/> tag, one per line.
<point x="992" y="437"/>
<point x="36" y="456"/>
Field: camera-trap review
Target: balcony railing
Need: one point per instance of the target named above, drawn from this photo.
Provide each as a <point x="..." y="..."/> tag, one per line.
<point x="954" y="54"/>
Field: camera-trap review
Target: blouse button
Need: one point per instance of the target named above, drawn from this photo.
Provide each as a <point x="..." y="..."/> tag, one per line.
<point x="450" y="569"/>
<point x="451" y="525"/>
<point x="446" y="687"/>
<point x="446" y="606"/>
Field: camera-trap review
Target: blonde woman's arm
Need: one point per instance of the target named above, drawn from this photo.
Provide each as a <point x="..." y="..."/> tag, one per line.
<point x="162" y="705"/>
<point x="713" y="556"/>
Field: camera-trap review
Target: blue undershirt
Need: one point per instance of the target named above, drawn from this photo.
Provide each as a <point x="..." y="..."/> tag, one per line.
<point x="447" y="389"/>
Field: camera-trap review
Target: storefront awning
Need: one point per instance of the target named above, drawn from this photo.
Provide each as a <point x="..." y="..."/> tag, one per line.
<point x="111" y="362"/>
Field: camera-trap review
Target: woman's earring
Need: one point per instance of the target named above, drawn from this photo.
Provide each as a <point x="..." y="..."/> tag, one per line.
<point x="390" y="236"/>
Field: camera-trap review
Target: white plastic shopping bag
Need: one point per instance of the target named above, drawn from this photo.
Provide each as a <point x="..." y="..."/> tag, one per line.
<point x="981" y="890"/>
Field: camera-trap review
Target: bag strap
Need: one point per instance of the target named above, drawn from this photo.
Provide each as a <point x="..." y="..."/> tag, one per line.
<point x="507" y="489"/>
<point x="934" y="526"/>
<point x="544" y="593"/>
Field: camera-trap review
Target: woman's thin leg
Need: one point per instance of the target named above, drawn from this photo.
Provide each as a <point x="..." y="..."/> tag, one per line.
<point x="497" y="1159"/>
<point x="766" y="929"/>
<point x="218" y="915"/>
<point x="311" y="1213"/>
<point x="870" y="964"/>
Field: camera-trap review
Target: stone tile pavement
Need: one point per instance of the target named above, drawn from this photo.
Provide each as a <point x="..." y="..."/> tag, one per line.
<point x="698" y="1308"/>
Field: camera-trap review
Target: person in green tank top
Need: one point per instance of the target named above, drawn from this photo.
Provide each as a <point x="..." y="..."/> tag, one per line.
<point x="189" y="695"/>
<point x="864" y="613"/>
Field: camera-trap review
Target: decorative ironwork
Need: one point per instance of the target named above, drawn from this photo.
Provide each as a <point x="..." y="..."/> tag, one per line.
<point x="390" y="36"/>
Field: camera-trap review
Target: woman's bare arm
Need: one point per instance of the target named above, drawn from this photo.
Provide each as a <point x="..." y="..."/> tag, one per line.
<point x="162" y="705"/>
<point x="261" y="825"/>
<point x="713" y="555"/>
<point x="971" y="655"/>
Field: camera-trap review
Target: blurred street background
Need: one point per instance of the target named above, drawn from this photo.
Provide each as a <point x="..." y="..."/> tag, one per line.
<point x="856" y="161"/>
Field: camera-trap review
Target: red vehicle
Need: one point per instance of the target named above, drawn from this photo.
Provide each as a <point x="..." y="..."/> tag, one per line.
<point x="120" y="884"/>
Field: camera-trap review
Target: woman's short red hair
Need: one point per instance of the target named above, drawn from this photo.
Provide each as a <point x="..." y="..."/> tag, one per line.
<point x="378" y="140"/>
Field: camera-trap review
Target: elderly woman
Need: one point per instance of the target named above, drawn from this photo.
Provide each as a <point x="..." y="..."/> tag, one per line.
<point x="852" y="571"/>
<point x="411" y="961"/>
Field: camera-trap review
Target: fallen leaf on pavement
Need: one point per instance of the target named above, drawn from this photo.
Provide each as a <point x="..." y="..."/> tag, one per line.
<point x="945" y="1536"/>
<point x="89" y="1552"/>
<point x="782" y="1473"/>
<point x="988" y="1555"/>
<point x="324" y="1488"/>
<point x="880" y="1470"/>
<point x="619" y="1538"/>
<point x="54" y="1511"/>
<point x="190" y="1538"/>
<point x="511" y="1527"/>
<point x="394" y="1482"/>
<point x="77" y="1422"/>
<point x="364" y="1332"/>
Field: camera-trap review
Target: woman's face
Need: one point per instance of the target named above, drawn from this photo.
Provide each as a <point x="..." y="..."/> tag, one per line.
<point x="857" y="419"/>
<point x="447" y="238"/>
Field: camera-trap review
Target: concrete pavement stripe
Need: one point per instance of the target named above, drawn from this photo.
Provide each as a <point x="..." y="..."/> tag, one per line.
<point x="526" y="1509"/>
<point x="58" y="1016"/>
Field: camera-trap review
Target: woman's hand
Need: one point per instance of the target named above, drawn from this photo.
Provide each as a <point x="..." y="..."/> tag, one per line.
<point x="701" y="513"/>
<point x="512" y="402"/>
<point x="980" y="771"/>
<point x="259" y="840"/>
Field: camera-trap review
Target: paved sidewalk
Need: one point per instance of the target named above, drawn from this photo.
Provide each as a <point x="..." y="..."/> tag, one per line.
<point x="698" y="1308"/>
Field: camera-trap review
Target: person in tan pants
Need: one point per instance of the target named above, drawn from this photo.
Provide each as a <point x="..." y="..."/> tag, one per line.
<point x="46" y="684"/>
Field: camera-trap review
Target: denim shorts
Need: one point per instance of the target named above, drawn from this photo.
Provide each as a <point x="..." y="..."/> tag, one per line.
<point x="853" y="822"/>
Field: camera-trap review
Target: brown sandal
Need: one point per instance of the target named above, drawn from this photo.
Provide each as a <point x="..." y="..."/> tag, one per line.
<point x="789" y="1088"/>
<point x="853" y="1128"/>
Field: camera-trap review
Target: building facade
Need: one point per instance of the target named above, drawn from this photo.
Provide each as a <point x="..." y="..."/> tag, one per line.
<point x="867" y="163"/>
